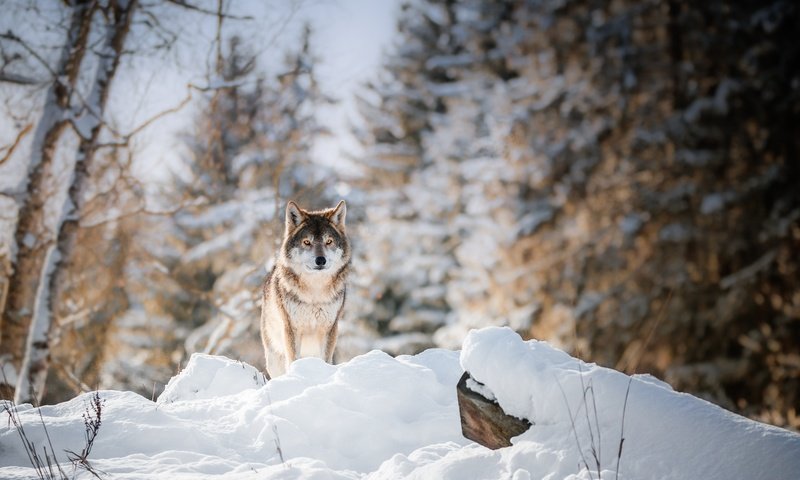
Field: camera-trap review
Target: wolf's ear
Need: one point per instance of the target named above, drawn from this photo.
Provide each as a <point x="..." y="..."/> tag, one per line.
<point x="338" y="214"/>
<point x="294" y="216"/>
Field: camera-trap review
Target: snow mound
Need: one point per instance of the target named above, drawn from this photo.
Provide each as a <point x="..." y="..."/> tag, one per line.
<point x="378" y="417"/>
<point x="213" y="418"/>
<point x="211" y="376"/>
<point x="666" y="434"/>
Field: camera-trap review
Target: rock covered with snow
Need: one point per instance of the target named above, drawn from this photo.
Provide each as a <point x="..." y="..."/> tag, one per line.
<point x="584" y="409"/>
<point x="211" y="376"/>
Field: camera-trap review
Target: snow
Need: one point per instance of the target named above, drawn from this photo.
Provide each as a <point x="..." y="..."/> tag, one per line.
<point x="379" y="417"/>
<point x="210" y="376"/>
<point x="667" y="434"/>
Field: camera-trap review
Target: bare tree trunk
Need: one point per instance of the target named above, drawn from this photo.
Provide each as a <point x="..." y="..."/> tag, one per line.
<point x="36" y="362"/>
<point x="33" y="238"/>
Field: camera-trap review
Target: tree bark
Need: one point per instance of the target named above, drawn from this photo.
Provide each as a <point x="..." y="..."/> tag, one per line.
<point x="33" y="372"/>
<point x="33" y="238"/>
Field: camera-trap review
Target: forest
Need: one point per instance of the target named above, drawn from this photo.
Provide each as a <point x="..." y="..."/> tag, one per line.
<point x="617" y="178"/>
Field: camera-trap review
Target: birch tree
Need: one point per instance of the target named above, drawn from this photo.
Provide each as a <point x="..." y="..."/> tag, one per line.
<point x="37" y="352"/>
<point x="32" y="238"/>
<point x="27" y="320"/>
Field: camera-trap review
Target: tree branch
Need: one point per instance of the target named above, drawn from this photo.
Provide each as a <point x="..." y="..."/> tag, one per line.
<point x="13" y="38"/>
<point x="159" y="115"/>
<point x="18" y="79"/>
<point x="10" y="149"/>
<point x="127" y="136"/>
<point x="188" y="6"/>
<point x="142" y="210"/>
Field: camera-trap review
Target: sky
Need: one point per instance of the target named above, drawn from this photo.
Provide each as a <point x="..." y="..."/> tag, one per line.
<point x="349" y="37"/>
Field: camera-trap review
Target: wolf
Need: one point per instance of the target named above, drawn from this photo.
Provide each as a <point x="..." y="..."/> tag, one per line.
<point x="304" y="293"/>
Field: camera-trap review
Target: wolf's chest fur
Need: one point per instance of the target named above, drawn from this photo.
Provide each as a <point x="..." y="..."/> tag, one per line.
<point x="309" y="307"/>
<point x="313" y="315"/>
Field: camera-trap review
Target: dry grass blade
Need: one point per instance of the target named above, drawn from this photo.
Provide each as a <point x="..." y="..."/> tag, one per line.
<point x="42" y="466"/>
<point x="574" y="430"/>
<point x="92" y="419"/>
<point x="622" y="428"/>
<point x="649" y="337"/>
<point x="594" y="447"/>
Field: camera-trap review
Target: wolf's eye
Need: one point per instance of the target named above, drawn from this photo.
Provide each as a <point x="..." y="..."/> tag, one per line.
<point x="328" y="241"/>
<point x="307" y="242"/>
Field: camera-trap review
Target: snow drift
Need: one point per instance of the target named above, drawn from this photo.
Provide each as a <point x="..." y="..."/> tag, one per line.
<point x="380" y="417"/>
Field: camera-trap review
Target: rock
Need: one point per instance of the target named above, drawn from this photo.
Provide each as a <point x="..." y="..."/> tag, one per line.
<point x="483" y="421"/>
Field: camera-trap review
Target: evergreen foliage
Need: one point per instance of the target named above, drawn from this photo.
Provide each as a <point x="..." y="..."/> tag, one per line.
<point x="247" y="154"/>
<point x="619" y="179"/>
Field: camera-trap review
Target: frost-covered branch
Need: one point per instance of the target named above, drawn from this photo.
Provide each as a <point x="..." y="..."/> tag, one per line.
<point x="217" y="13"/>
<point x="9" y="150"/>
<point x="18" y="79"/>
<point x="10" y="36"/>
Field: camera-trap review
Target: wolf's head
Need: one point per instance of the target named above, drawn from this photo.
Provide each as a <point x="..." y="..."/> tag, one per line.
<point x="315" y="242"/>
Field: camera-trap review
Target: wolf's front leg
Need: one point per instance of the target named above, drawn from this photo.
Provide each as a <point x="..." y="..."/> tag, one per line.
<point x="330" y="342"/>
<point x="290" y="339"/>
<point x="276" y="365"/>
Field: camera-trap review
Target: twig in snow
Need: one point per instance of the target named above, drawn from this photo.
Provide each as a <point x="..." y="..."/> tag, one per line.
<point x="596" y="450"/>
<point x="659" y="317"/>
<point x="622" y="428"/>
<point x="47" y="434"/>
<point x="275" y="430"/>
<point x="91" y="422"/>
<point x="278" y="443"/>
<point x="574" y="430"/>
<point x="42" y="466"/>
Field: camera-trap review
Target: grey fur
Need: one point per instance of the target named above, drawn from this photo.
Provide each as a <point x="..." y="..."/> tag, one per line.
<point x="303" y="300"/>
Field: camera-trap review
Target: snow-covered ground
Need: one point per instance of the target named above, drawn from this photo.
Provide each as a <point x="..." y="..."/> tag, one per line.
<point x="380" y="417"/>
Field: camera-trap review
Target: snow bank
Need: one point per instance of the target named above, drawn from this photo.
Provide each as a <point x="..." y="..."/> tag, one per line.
<point x="667" y="434"/>
<point x="378" y="417"/>
<point x="211" y="376"/>
<point x="216" y="417"/>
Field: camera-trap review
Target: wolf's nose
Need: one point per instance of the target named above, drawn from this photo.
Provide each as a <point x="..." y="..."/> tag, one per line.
<point x="320" y="261"/>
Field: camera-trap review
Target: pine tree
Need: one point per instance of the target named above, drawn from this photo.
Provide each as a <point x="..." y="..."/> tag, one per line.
<point x="405" y="258"/>
<point x="248" y="154"/>
<point x="607" y="177"/>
